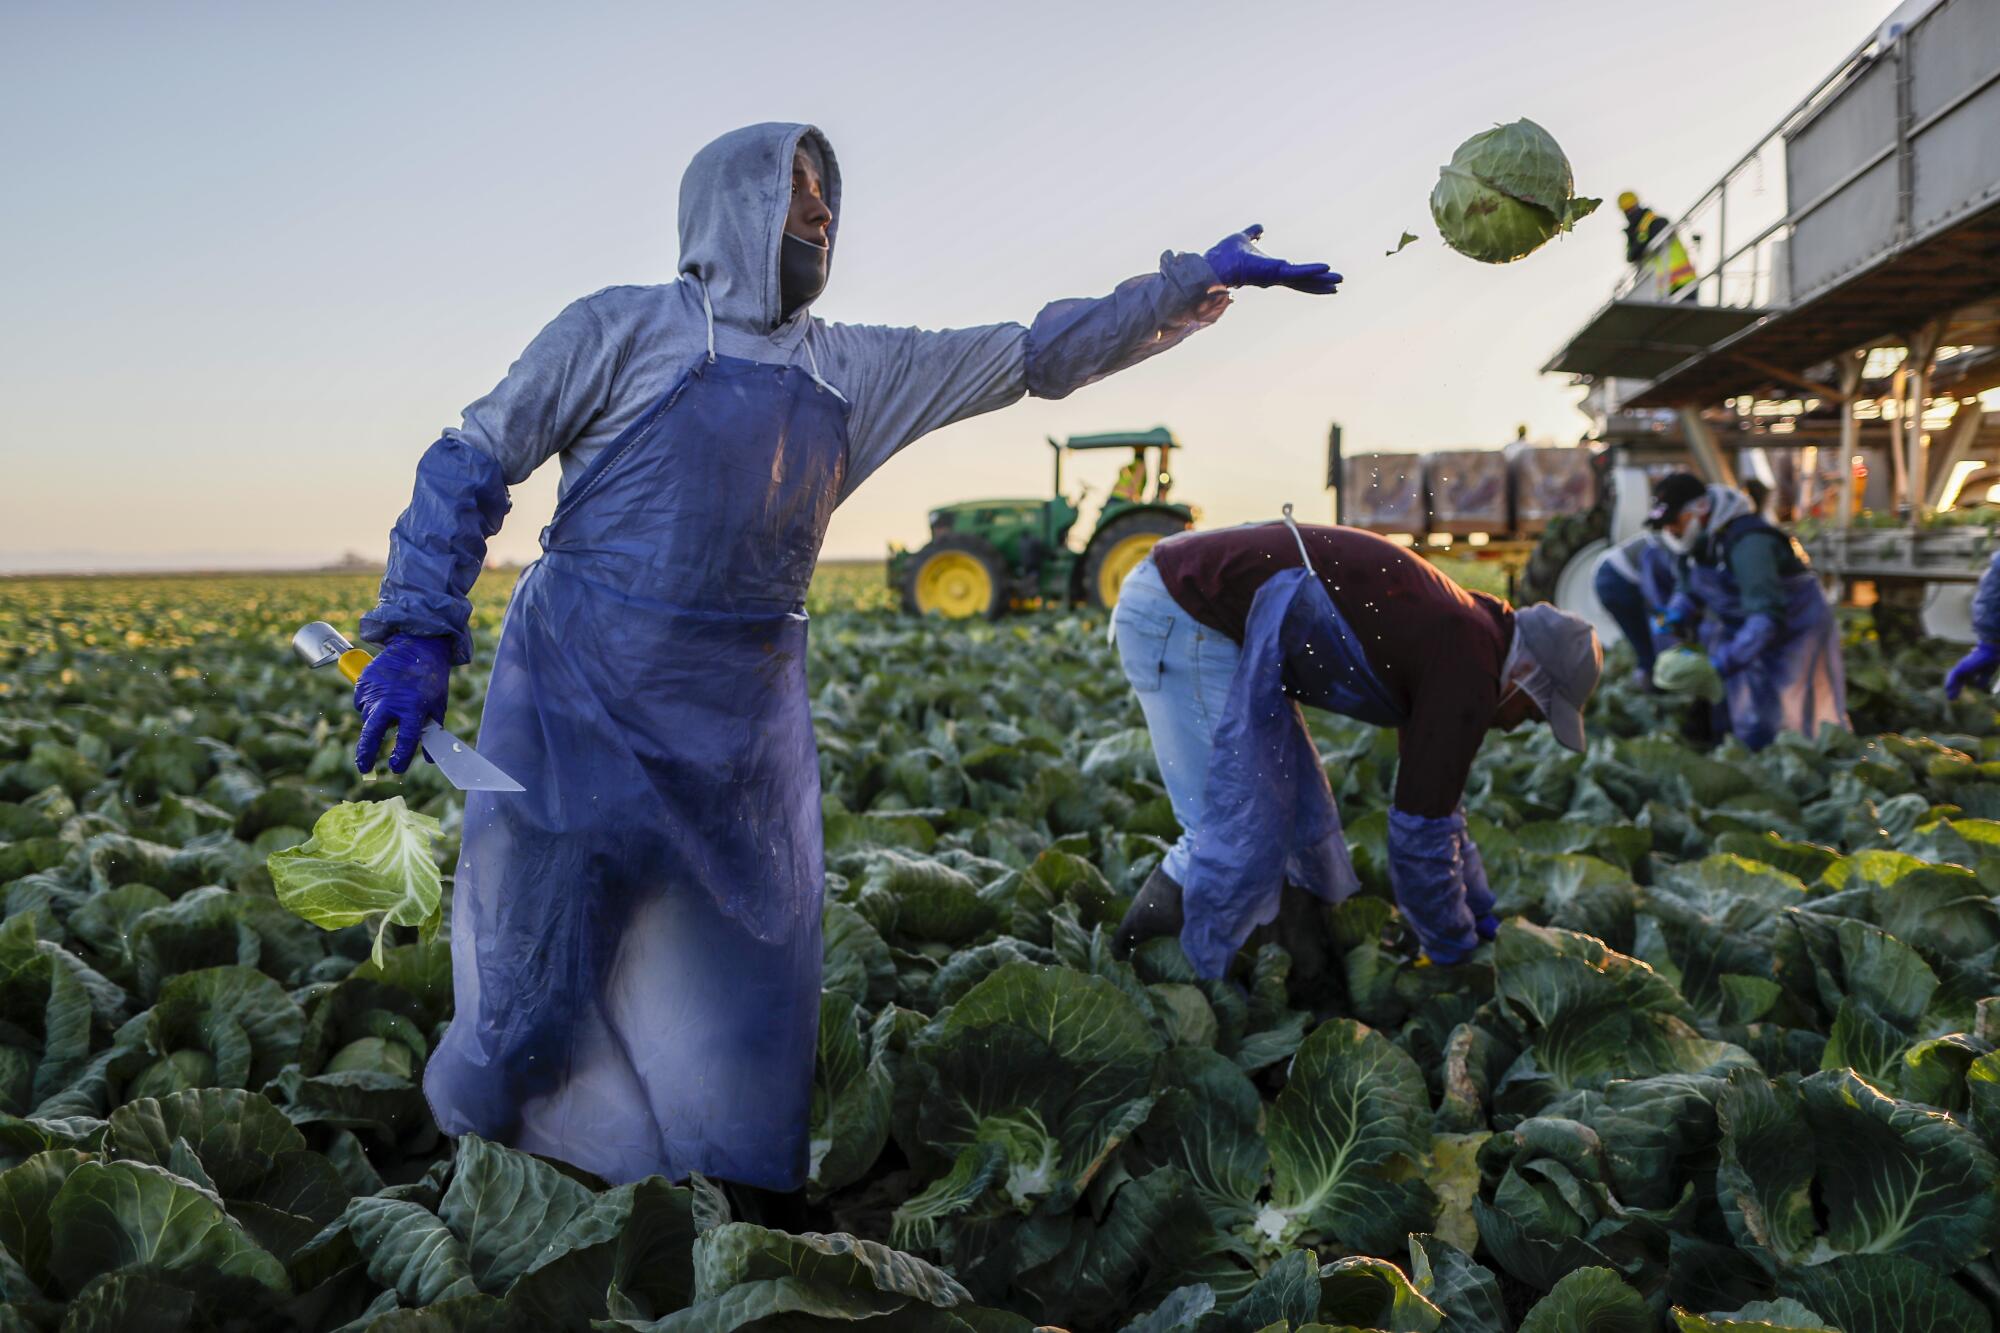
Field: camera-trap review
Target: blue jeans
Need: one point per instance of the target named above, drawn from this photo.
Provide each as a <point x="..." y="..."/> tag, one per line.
<point x="1181" y="670"/>
<point x="1627" y="605"/>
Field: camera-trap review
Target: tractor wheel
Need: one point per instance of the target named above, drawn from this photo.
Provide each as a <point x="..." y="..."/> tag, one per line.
<point x="1563" y="541"/>
<point x="956" y="577"/>
<point x="1117" y="551"/>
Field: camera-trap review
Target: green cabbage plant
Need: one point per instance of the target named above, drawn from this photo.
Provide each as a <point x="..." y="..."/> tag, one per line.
<point x="1505" y="192"/>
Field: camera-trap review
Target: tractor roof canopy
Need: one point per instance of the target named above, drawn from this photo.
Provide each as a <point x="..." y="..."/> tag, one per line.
<point x="1158" y="437"/>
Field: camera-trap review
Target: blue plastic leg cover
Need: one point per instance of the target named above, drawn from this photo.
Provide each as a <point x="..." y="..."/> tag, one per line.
<point x="1478" y="897"/>
<point x="1427" y="872"/>
<point x="438" y="547"/>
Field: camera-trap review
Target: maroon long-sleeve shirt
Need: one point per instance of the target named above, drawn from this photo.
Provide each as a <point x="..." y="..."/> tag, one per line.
<point x="1437" y="648"/>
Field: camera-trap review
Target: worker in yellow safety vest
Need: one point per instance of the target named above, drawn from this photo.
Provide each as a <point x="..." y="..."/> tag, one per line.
<point x="1131" y="483"/>
<point x="1670" y="265"/>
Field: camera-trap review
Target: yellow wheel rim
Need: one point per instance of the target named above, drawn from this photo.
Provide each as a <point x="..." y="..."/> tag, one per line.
<point x="1120" y="560"/>
<point x="954" y="584"/>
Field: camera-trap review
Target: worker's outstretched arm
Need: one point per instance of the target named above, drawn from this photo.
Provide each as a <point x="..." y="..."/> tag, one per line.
<point x="905" y="382"/>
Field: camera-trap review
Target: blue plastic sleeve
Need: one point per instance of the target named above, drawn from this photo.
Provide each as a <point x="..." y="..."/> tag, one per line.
<point x="437" y="548"/>
<point x="1986" y="603"/>
<point x="1750" y="642"/>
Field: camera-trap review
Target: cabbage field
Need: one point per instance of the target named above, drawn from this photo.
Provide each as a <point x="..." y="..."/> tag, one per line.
<point x="1733" y="1062"/>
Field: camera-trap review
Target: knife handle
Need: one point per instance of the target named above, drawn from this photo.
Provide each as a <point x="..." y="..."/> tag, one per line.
<point x="352" y="663"/>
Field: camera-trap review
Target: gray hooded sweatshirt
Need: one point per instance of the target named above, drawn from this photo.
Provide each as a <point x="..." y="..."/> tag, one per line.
<point x="608" y="357"/>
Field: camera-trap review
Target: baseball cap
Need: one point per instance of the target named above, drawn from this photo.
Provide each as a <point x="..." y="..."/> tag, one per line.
<point x="1563" y="661"/>
<point x="1671" y="494"/>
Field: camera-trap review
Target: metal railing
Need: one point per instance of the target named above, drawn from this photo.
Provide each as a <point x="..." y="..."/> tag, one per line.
<point x="1750" y="197"/>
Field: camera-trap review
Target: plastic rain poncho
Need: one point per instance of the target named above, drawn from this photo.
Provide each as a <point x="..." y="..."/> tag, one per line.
<point x="636" y="937"/>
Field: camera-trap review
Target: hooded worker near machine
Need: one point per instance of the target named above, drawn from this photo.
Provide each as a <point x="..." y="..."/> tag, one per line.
<point x="636" y="937"/>
<point x="1746" y="591"/>
<point x="1225" y="634"/>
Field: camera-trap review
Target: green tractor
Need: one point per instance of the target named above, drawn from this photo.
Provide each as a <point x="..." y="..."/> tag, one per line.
<point x="988" y="556"/>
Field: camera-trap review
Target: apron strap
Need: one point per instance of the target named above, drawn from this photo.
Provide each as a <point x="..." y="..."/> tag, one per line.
<point x="813" y="361"/>
<point x="1300" y="539"/>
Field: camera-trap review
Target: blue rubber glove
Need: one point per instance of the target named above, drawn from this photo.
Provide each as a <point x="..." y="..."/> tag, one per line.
<point x="1679" y="617"/>
<point x="1976" y="669"/>
<point x="1746" y="645"/>
<point x="1427" y="872"/>
<point x="406" y="685"/>
<point x="1239" y="263"/>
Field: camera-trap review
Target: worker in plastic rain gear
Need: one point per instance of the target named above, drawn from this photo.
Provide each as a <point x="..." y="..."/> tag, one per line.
<point x="1634" y="583"/>
<point x="636" y="937"/>
<point x="1131" y="483"/>
<point x="1225" y="634"/>
<point x="1745" y="589"/>
<point x="1978" y="666"/>
<point x="1669" y="265"/>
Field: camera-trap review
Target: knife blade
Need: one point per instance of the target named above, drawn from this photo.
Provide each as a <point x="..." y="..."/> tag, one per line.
<point x="464" y="767"/>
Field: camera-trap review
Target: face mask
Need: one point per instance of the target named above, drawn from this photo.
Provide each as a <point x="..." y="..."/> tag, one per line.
<point x="801" y="273"/>
<point x="1685" y="542"/>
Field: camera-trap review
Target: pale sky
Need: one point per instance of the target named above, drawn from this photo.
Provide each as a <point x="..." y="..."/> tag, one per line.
<point x="254" y="256"/>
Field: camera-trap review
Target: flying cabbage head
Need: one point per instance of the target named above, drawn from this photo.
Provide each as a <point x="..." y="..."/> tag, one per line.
<point x="1505" y="192"/>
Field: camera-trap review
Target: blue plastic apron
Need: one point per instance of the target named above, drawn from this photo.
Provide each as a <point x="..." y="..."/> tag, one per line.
<point x="636" y="938"/>
<point x="1798" y="682"/>
<point x="1268" y="814"/>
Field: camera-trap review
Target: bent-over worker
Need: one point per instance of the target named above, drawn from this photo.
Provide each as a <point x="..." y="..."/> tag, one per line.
<point x="1634" y="582"/>
<point x="1746" y="589"/>
<point x="636" y="937"/>
<point x="1224" y="633"/>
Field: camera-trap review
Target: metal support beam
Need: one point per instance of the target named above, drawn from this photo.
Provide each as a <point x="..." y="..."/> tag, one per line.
<point x="1812" y="387"/>
<point x="1964" y="430"/>
<point x="1923" y="354"/>
<point x="1850" y="431"/>
<point x="1899" y="454"/>
<point x="1708" y="456"/>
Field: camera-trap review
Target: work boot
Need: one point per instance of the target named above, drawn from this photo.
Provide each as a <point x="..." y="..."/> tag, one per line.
<point x="1156" y="910"/>
<point x="1301" y="930"/>
<point x="774" y="1210"/>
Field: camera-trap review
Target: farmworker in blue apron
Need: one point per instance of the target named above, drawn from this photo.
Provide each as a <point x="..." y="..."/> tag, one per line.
<point x="1747" y="592"/>
<point x="636" y="937"/>
<point x="1634" y="582"/>
<point x="1977" y="667"/>
<point x="1225" y="634"/>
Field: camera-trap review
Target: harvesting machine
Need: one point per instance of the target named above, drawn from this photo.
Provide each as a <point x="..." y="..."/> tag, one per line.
<point x="1841" y="342"/>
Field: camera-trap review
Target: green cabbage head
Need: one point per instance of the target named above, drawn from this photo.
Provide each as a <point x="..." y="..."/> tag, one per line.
<point x="1505" y="192"/>
<point x="1687" y="671"/>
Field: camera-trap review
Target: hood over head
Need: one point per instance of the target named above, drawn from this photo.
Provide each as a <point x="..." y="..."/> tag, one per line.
<point x="1726" y="503"/>
<point x="734" y="198"/>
